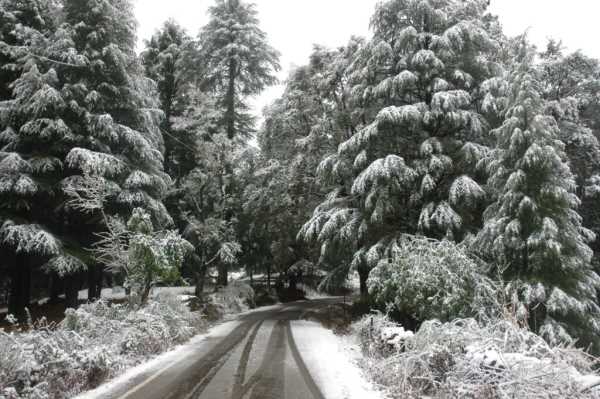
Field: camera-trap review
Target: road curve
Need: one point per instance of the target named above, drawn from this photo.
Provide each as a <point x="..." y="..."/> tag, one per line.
<point x="258" y="359"/>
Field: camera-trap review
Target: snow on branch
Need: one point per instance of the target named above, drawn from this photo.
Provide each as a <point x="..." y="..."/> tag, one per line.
<point x="94" y="163"/>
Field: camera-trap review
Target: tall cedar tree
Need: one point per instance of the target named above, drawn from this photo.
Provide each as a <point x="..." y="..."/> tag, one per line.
<point x="570" y="83"/>
<point x="412" y="166"/>
<point x="24" y="242"/>
<point x="237" y="62"/>
<point x="162" y="60"/>
<point x="308" y="122"/>
<point x="532" y="229"/>
<point x="81" y="108"/>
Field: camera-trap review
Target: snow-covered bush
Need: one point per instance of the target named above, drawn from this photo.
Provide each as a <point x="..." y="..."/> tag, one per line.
<point x="234" y="298"/>
<point x="379" y="336"/>
<point x="430" y="279"/>
<point x="92" y="344"/>
<point x="469" y="359"/>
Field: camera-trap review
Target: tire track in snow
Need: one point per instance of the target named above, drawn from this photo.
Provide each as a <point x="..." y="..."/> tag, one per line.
<point x="308" y="380"/>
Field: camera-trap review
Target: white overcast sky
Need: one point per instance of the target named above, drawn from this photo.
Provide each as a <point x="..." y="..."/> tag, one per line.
<point x="293" y="26"/>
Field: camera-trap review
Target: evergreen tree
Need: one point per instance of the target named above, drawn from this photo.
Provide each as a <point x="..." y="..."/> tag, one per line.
<point x="413" y="163"/>
<point x="302" y="127"/>
<point x="570" y="84"/>
<point x="22" y="23"/>
<point x="532" y="230"/>
<point x="26" y="160"/>
<point x="162" y="60"/>
<point x="238" y="62"/>
<point x="80" y="108"/>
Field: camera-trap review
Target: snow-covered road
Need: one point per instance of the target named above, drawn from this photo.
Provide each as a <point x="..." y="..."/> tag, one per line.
<point x="263" y="354"/>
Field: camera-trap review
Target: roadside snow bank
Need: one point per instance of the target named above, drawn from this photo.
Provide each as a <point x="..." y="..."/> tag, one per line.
<point x="330" y="365"/>
<point x="146" y="370"/>
<point x="467" y="359"/>
<point x="91" y="345"/>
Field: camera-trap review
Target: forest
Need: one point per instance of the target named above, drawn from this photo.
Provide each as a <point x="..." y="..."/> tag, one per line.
<point x="452" y="169"/>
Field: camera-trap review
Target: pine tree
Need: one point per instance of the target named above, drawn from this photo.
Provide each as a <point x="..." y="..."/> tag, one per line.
<point x="569" y="84"/>
<point x="238" y="62"/>
<point x="27" y="161"/>
<point x="302" y="127"/>
<point x="80" y="108"/>
<point x="412" y="166"/>
<point x="532" y="230"/>
<point x="21" y="22"/>
<point x="162" y="60"/>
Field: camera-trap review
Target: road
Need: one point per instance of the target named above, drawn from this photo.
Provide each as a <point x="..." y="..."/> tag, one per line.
<point x="258" y="359"/>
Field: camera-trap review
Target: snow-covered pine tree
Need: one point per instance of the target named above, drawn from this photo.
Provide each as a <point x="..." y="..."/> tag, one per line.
<point x="208" y="205"/>
<point x="412" y="165"/>
<point x="570" y="83"/>
<point x="308" y="122"/>
<point x="162" y="60"/>
<point x="114" y="109"/>
<point x="237" y="62"/>
<point x="80" y="108"/>
<point x="20" y="22"/>
<point x="532" y="230"/>
<point x="27" y="162"/>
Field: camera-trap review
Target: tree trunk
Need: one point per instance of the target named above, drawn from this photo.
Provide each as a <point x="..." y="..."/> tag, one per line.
<point x="99" y="280"/>
<point x="95" y="274"/>
<point x="230" y="100"/>
<point x="56" y="288"/>
<point x="20" y="288"/>
<point x="363" y="275"/>
<point x="293" y="281"/>
<point x="268" y="277"/>
<point x="147" y="289"/>
<point x="72" y="286"/>
<point x="199" y="280"/>
<point x="92" y="283"/>
<point x="146" y="294"/>
<point x="222" y="278"/>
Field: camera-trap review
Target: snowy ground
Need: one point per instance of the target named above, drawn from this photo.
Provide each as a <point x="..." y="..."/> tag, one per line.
<point x="327" y="358"/>
<point x="331" y="362"/>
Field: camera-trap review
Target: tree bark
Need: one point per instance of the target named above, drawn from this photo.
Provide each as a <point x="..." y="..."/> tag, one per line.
<point x="230" y="100"/>
<point x="363" y="275"/>
<point x="72" y="286"/>
<point x="20" y="288"/>
<point x="199" y="280"/>
<point x="268" y="277"/>
<point x="222" y="279"/>
<point x="95" y="275"/>
<point x="92" y="283"/>
<point x="56" y="288"/>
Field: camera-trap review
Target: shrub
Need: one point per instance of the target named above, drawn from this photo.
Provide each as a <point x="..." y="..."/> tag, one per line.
<point x="468" y="359"/>
<point x="234" y="298"/>
<point x="91" y="345"/>
<point x="429" y="279"/>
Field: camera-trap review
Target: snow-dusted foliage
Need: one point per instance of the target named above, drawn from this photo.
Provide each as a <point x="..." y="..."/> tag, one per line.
<point x="75" y="103"/>
<point x="93" y="344"/>
<point x="238" y="61"/>
<point x="427" y="279"/>
<point x="235" y="298"/>
<point x="407" y="165"/>
<point x="144" y="255"/>
<point x="468" y="359"/>
<point x="532" y="230"/>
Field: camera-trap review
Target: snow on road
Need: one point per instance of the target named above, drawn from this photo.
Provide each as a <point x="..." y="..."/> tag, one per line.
<point x="326" y="358"/>
<point x="145" y="371"/>
<point x="330" y="363"/>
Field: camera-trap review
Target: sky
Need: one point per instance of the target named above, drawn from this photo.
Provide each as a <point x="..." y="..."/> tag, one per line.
<point x="294" y="26"/>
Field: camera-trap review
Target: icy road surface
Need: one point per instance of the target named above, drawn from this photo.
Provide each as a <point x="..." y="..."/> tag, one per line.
<point x="264" y="354"/>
